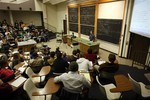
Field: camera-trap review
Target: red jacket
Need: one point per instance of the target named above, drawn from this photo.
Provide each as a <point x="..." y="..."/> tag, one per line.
<point x="6" y="74"/>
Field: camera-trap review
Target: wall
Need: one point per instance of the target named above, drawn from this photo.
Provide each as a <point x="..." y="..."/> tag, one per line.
<point x="4" y="15"/>
<point x="61" y="12"/>
<point x="51" y="11"/>
<point x="28" y="17"/>
<point x="39" y="6"/>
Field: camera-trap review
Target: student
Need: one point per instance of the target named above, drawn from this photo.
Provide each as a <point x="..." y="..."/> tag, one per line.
<point x="107" y="70"/>
<point x="84" y="64"/>
<point x="91" y="56"/>
<point x="73" y="81"/>
<point x="59" y="65"/>
<point x="112" y="66"/>
<point x="36" y="63"/>
<point x="5" y="73"/>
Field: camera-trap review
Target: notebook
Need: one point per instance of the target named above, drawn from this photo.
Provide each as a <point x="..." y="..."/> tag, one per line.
<point x="18" y="81"/>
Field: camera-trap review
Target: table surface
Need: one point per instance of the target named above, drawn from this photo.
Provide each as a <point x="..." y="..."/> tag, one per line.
<point x="29" y="42"/>
<point x="50" y="88"/>
<point x="86" y="42"/>
<point x="44" y="71"/>
<point x="122" y="84"/>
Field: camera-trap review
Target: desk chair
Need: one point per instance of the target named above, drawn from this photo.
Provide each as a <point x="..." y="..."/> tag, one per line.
<point x="50" y="88"/>
<point x="29" y="72"/>
<point x="139" y="88"/>
<point x="107" y="77"/>
<point x="29" y="87"/>
<point x="43" y="72"/>
<point x="105" y="89"/>
<point x="69" y="95"/>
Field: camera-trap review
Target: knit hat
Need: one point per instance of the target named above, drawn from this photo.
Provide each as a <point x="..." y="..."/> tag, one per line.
<point x="73" y="66"/>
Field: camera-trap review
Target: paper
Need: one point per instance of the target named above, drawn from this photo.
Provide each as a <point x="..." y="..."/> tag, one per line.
<point x="101" y="62"/>
<point x="86" y="75"/>
<point x="22" y="69"/>
<point x="18" y="81"/>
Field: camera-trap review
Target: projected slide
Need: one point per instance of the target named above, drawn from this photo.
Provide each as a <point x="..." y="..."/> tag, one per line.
<point x="140" y="21"/>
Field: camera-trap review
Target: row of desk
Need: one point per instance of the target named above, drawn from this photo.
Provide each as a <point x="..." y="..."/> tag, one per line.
<point x="19" y="80"/>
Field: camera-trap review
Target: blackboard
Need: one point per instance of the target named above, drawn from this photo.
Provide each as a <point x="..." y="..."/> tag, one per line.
<point x="73" y="27"/>
<point x="109" y="30"/>
<point x="73" y="15"/>
<point x="87" y="15"/>
<point x="86" y="29"/>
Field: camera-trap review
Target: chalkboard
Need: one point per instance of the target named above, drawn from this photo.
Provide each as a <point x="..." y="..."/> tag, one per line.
<point x="87" y="10"/>
<point x="109" y="30"/>
<point x="73" y="27"/>
<point x="73" y="15"/>
<point x="87" y="15"/>
<point x="86" y="29"/>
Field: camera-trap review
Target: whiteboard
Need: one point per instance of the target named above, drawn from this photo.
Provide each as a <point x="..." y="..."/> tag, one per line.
<point x="111" y="10"/>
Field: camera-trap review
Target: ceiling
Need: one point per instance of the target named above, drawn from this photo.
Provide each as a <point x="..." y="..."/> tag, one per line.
<point x="53" y="2"/>
<point x="13" y="1"/>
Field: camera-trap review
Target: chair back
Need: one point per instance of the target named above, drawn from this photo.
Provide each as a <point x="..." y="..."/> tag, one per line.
<point x="101" y="87"/>
<point x="29" y="72"/>
<point x="28" y="86"/>
<point x="135" y="84"/>
<point x="105" y="90"/>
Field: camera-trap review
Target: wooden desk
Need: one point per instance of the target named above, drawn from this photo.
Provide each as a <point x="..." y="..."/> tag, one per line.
<point x="43" y="72"/>
<point x="122" y="84"/>
<point x="84" y="44"/>
<point x="26" y="45"/>
<point x="50" y="88"/>
<point x="19" y="65"/>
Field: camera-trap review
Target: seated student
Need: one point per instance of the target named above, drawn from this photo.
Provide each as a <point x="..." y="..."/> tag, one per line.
<point x="109" y="69"/>
<point x="59" y="65"/>
<point x="73" y="83"/>
<point x="5" y="73"/>
<point x="51" y="59"/>
<point x="112" y="66"/>
<point x="16" y="59"/>
<point x="84" y="64"/>
<point x="72" y="57"/>
<point x="36" y="63"/>
<point x="5" y="89"/>
<point x="91" y="56"/>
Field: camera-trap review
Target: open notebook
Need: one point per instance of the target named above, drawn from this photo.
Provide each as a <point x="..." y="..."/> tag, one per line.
<point x="86" y="75"/>
<point x="18" y="81"/>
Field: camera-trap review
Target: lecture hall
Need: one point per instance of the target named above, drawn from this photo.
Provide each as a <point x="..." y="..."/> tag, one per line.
<point x="74" y="50"/>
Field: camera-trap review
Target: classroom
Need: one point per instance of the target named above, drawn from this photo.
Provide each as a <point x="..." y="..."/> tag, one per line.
<point x="74" y="49"/>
